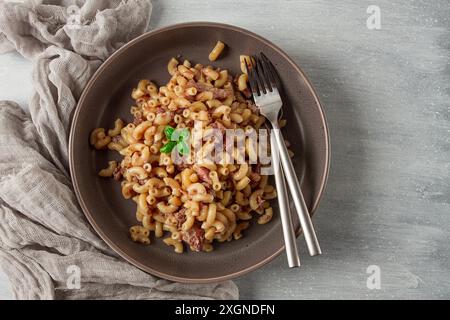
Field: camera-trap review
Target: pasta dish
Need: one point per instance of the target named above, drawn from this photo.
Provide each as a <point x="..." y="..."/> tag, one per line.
<point x="190" y="203"/>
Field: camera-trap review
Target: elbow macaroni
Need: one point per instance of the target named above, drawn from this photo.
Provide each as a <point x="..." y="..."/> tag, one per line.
<point x="216" y="51"/>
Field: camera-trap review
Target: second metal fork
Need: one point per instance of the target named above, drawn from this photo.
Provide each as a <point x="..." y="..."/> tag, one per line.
<point x="262" y="78"/>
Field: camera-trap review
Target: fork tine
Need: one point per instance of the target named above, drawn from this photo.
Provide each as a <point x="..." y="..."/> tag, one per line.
<point x="271" y="73"/>
<point x="261" y="76"/>
<point x="251" y="76"/>
<point x="274" y="79"/>
<point x="257" y="75"/>
<point x="265" y="75"/>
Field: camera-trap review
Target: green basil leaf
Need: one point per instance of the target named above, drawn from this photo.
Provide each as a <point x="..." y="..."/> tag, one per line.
<point x="168" y="131"/>
<point x="168" y="147"/>
<point x="183" y="148"/>
<point x="184" y="134"/>
<point x="180" y="135"/>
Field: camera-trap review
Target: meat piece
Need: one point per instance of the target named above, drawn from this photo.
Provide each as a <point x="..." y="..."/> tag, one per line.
<point x="217" y="93"/>
<point x="199" y="86"/>
<point x="255" y="177"/>
<point x="194" y="237"/>
<point x="177" y="218"/>
<point x="203" y="174"/>
<point x="138" y="120"/>
<point x="188" y="97"/>
<point x="209" y="188"/>
<point x="221" y="93"/>
<point x="180" y="217"/>
<point x="118" y="173"/>
<point x="180" y="167"/>
<point x="247" y="93"/>
<point x="253" y="107"/>
<point x="235" y="105"/>
<point x="116" y="138"/>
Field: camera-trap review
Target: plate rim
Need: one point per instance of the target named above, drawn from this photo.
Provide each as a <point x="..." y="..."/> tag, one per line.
<point x="96" y="75"/>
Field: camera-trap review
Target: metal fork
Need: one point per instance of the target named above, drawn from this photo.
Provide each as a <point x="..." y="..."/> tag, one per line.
<point x="262" y="78"/>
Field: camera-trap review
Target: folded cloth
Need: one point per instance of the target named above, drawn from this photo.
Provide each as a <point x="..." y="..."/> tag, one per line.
<point x="45" y="240"/>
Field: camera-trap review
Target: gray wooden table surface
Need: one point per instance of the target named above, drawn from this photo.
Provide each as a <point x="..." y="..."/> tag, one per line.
<point x="386" y="96"/>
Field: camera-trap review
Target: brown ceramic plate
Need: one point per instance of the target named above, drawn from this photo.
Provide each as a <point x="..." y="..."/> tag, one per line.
<point x="107" y="96"/>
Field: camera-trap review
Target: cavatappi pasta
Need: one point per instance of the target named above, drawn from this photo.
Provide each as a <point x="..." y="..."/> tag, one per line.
<point x="193" y="204"/>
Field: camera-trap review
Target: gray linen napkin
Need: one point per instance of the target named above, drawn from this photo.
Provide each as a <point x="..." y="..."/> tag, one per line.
<point x="43" y="232"/>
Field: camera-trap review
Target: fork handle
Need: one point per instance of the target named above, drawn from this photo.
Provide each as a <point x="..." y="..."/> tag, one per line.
<point x="296" y="193"/>
<point x="285" y="212"/>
